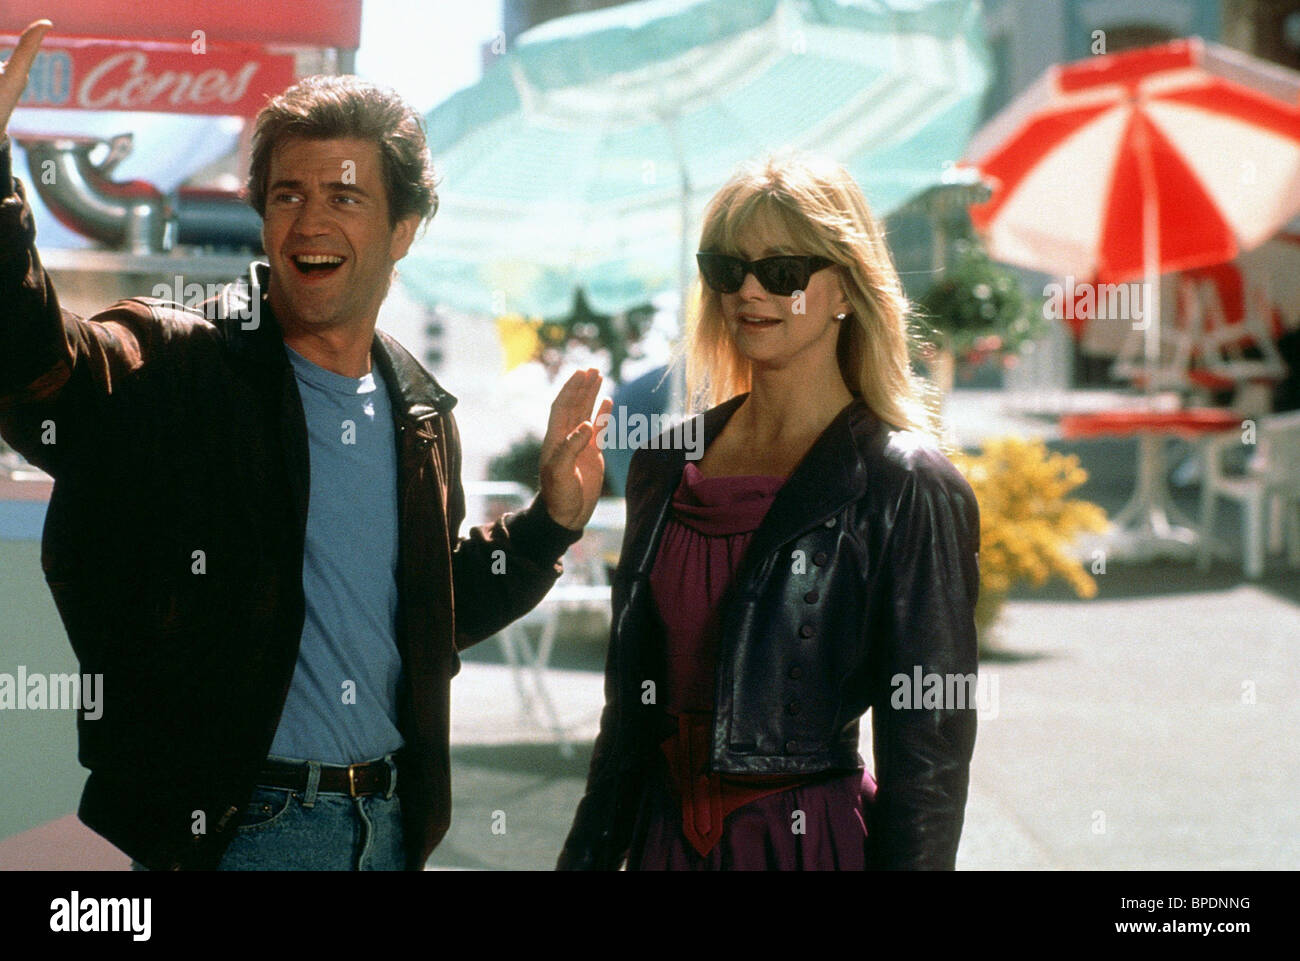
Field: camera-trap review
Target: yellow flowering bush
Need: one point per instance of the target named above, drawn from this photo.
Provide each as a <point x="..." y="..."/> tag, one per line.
<point x="1027" y="521"/>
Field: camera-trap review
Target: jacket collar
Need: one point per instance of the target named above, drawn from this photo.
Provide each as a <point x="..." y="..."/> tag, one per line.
<point x="832" y="474"/>
<point x="414" y="390"/>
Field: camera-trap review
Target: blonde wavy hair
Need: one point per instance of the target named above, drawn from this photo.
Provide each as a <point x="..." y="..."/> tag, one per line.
<point x="823" y="210"/>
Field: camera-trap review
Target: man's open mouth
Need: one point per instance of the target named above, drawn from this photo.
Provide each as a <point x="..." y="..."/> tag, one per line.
<point x="316" y="263"/>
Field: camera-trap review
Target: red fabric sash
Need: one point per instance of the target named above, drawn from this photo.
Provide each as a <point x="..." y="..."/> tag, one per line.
<point x="707" y="798"/>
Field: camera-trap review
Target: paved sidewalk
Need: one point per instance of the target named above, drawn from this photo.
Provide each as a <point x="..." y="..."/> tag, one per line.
<point x="1127" y="738"/>
<point x="1122" y="736"/>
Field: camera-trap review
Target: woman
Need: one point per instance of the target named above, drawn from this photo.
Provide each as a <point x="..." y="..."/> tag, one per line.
<point x="817" y="562"/>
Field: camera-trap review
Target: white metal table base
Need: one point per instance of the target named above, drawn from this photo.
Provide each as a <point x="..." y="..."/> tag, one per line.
<point x="1150" y="518"/>
<point x="528" y="664"/>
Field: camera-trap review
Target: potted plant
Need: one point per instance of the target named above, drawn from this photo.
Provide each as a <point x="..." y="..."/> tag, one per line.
<point x="975" y="310"/>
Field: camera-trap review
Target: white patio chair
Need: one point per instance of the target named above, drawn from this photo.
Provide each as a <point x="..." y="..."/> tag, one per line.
<point x="583" y="585"/>
<point x="1272" y="480"/>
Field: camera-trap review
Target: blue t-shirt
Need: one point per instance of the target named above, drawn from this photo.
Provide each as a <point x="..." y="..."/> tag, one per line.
<point x="342" y="706"/>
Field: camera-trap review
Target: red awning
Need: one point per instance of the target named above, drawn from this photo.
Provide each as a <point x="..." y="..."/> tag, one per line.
<point x="184" y="56"/>
<point x="307" y="23"/>
<point x="86" y="73"/>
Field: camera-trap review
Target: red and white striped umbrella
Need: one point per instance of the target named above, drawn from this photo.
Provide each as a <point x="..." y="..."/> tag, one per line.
<point x="1138" y="163"/>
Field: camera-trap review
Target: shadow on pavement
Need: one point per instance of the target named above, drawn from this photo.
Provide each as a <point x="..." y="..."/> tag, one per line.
<point x="996" y="655"/>
<point x="1166" y="578"/>
<point x="538" y="760"/>
<point x="579" y="647"/>
<point x="512" y="806"/>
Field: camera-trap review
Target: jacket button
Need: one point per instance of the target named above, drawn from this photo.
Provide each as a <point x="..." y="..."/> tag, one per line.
<point x="806" y="631"/>
<point x="796" y="672"/>
<point x="820" y="558"/>
<point x="792" y="707"/>
<point x="789" y="747"/>
<point x="811" y="597"/>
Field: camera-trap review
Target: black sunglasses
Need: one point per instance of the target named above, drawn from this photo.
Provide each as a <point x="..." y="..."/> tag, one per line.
<point x="782" y="275"/>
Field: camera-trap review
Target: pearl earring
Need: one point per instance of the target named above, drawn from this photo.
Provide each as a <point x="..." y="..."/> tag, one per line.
<point x="840" y="316"/>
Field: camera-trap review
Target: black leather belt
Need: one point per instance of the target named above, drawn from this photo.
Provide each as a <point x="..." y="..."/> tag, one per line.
<point x="355" y="780"/>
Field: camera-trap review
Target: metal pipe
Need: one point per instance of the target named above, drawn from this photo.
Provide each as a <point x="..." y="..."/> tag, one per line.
<point x="78" y="190"/>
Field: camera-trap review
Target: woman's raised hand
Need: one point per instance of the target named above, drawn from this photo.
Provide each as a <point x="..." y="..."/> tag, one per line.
<point x="13" y="75"/>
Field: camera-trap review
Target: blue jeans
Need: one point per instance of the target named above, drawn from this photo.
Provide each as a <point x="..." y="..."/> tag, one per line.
<point x="284" y="830"/>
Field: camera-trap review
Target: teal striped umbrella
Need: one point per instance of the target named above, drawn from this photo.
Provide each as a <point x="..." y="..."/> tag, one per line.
<point x="585" y="156"/>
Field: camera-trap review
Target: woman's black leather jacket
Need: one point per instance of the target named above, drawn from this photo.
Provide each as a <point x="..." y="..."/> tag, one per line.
<point x="864" y="572"/>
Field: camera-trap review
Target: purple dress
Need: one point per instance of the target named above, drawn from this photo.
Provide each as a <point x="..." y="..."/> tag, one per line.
<point x="689" y="818"/>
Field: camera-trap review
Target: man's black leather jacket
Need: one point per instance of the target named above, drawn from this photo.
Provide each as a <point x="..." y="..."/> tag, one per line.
<point x="169" y="435"/>
<point x="864" y="569"/>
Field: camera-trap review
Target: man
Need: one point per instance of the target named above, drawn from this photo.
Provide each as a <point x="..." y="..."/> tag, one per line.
<point x="253" y="529"/>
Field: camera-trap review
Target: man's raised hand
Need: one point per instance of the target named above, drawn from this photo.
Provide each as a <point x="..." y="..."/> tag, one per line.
<point x="572" y="468"/>
<point x="13" y="76"/>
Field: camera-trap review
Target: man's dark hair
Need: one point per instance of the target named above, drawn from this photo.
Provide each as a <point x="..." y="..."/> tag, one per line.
<point x="345" y="107"/>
